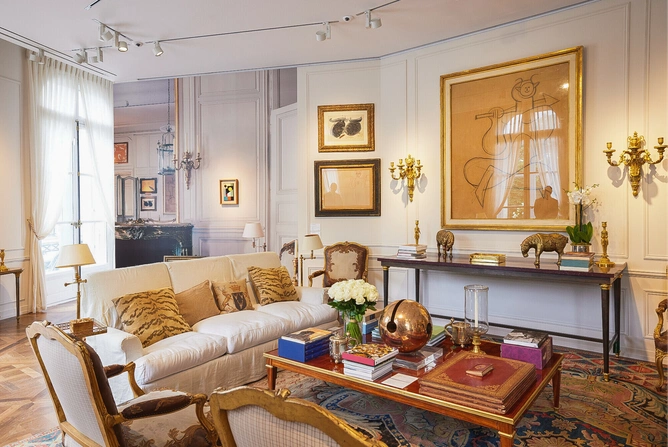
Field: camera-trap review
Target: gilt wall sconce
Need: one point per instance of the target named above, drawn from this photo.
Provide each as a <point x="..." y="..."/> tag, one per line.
<point x="634" y="157"/>
<point x="187" y="164"/>
<point x="409" y="171"/>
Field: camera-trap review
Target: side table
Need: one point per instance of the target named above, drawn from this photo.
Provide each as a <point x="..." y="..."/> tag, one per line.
<point x="16" y="273"/>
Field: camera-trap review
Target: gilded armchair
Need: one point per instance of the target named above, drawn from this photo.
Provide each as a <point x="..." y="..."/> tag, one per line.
<point x="343" y="260"/>
<point x="660" y="342"/>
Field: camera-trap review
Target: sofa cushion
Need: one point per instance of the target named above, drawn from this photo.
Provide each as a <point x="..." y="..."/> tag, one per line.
<point x="151" y="315"/>
<point x="300" y="315"/>
<point x="244" y="329"/>
<point x="178" y="353"/>
<point x="272" y="284"/>
<point x="197" y="303"/>
<point x="232" y="296"/>
<point x="186" y="274"/>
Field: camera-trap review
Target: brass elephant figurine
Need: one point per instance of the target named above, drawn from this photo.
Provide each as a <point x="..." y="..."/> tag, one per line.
<point x="541" y="242"/>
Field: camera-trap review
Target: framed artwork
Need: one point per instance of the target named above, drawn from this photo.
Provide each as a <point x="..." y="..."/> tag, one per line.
<point x="346" y="128"/>
<point x="512" y="143"/>
<point x="148" y="203"/>
<point x="120" y="153"/>
<point x="148" y="185"/>
<point x="347" y="188"/>
<point x="169" y="194"/>
<point x="229" y="192"/>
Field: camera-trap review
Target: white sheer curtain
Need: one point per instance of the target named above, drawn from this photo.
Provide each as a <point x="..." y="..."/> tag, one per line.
<point x="52" y="99"/>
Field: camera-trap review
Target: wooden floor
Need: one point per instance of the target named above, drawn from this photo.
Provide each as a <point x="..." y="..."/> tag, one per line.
<point x="25" y="406"/>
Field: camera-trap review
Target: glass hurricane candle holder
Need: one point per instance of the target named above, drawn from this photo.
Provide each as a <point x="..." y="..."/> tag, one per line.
<point x="475" y="313"/>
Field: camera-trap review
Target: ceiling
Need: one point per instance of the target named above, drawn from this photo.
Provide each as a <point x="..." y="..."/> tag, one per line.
<point x="66" y="25"/>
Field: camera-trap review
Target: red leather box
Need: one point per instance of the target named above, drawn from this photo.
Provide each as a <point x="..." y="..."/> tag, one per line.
<point x="538" y="356"/>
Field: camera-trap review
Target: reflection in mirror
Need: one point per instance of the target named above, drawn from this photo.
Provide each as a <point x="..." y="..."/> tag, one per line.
<point x="126" y="198"/>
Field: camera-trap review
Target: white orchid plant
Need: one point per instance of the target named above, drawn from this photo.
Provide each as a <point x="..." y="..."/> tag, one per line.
<point x="353" y="298"/>
<point x="581" y="198"/>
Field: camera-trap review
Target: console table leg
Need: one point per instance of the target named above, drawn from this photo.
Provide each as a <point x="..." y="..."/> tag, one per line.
<point x="271" y="377"/>
<point x="507" y="439"/>
<point x="417" y="285"/>
<point x="605" y="323"/>
<point x="556" y="388"/>
<point x="618" y="306"/>
<point x="386" y="284"/>
<point x="18" y="296"/>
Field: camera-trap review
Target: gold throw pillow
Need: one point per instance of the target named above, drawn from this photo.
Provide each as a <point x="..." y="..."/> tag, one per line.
<point x="152" y="315"/>
<point x="232" y="296"/>
<point x="272" y="284"/>
<point x="197" y="303"/>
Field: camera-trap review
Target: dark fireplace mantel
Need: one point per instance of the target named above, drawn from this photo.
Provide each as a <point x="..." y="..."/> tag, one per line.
<point x="145" y="242"/>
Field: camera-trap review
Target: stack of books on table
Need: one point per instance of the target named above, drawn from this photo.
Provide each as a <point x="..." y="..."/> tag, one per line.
<point x="577" y="262"/>
<point x="534" y="347"/>
<point x="304" y="345"/>
<point x="369" y="361"/>
<point x="437" y="335"/>
<point x="480" y="381"/>
<point x="418" y="359"/>
<point x="412" y="251"/>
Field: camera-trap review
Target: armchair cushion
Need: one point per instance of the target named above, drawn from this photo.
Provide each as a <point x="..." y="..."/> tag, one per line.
<point x="232" y="296"/>
<point x="197" y="303"/>
<point x="272" y="284"/>
<point x="151" y="315"/>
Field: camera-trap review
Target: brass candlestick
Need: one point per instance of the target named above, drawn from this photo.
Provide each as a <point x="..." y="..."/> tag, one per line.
<point x="605" y="261"/>
<point x="3" y="267"/>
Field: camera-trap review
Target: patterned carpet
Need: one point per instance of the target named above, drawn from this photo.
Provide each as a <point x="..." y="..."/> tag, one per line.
<point x="627" y="411"/>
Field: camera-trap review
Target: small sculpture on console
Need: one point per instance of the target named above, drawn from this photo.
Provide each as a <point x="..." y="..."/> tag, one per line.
<point x="541" y="242"/>
<point x="446" y="239"/>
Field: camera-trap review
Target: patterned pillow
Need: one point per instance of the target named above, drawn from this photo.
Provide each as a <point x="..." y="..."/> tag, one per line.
<point x="232" y="296"/>
<point x="197" y="303"/>
<point x="272" y="284"/>
<point x="151" y="315"/>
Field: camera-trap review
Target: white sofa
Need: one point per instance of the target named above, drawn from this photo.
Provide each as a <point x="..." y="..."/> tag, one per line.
<point x="223" y="350"/>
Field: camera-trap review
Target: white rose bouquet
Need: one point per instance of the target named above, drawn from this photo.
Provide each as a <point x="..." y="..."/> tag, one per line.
<point x="352" y="298"/>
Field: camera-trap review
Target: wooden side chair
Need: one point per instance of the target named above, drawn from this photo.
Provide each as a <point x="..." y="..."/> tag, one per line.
<point x="343" y="260"/>
<point x="251" y="417"/>
<point x="85" y="407"/>
<point x="660" y="342"/>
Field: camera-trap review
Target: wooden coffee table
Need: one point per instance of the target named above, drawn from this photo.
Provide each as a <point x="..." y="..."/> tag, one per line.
<point x="324" y="368"/>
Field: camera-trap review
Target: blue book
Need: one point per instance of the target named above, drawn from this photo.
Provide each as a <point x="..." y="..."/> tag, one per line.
<point x="302" y="352"/>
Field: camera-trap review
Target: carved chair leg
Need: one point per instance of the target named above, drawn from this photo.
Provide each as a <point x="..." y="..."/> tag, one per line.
<point x="659" y="367"/>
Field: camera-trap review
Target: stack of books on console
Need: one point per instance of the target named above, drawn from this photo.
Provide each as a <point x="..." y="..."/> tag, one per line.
<point x="437" y="335"/>
<point x="577" y="262"/>
<point x="369" y="361"/>
<point x="304" y="345"/>
<point x="534" y="347"/>
<point x="412" y="251"/>
<point x="480" y="381"/>
<point x="418" y="359"/>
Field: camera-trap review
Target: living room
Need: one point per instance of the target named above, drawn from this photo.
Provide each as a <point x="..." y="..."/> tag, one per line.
<point x="624" y="90"/>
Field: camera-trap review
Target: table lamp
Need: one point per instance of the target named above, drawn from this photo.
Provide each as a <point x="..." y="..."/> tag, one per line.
<point x="310" y="242"/>
<point x="75" y="256"/>
<point x="254" y="230"/>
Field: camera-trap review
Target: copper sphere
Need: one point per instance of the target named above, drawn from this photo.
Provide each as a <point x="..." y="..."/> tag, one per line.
<point x="405" y="325"/>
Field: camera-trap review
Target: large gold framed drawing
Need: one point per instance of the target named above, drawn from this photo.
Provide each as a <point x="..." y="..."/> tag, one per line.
<point x="512" y="143"/>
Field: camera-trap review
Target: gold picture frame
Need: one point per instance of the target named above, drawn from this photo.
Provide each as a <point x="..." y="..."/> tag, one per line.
<point x="229" y="192"/>
<point x="489" y="116"/>
<point x="347" y="188"/>
<point x="346" y="128"/>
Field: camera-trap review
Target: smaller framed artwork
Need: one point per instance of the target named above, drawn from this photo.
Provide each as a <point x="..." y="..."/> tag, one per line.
<point x="148" y="185"/>
<point x="120" y="153"/>
<point x="148" y="203"/>
<point x="346" y="128"/>
<point x="229" y="192"/>
<point x="347" y="188"/>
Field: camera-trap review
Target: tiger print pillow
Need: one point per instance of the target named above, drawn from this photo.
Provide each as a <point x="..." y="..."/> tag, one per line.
<point x="272" y="284"/>
<point x="152" y="315"/>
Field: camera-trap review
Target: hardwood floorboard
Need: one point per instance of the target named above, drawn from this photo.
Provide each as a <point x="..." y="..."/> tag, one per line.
<point x="25" y="405"/>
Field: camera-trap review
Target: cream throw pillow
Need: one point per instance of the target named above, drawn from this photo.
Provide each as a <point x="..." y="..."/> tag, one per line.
<point x="272" y="284"/>
<point x="197" y="303"/>
<point x="232" y="296"/>
<point x="151" y="315"/>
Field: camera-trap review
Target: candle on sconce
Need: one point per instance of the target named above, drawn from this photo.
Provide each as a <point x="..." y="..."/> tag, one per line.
<point x="391" y="164"/>
<point x="401" y="161"/>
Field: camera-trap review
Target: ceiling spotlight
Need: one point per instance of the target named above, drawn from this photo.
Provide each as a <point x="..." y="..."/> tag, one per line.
<point x="322" y="35"/>
<point x="41" y="56"/>
<point x="105" y="34"/>
<point x="122" y="46"/>
<point x="157" y="49"/>
<point x="372" y="23"/>
<point x="80" y="58"/>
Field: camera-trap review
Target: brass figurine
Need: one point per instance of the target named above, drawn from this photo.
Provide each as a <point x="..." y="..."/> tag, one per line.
<point x="410" y="171"/>
<point x="605" y="261"/>
<point x="3" y="267"/>
<point x="445" y="239"/>
<point x="541" y="242"/>
<point x="634" y="157"/>
<point x="417" y="232"/>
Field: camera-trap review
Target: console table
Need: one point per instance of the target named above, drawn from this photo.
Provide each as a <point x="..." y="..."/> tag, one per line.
<point x="521" y="268"/>
<point x="16" y="273"/>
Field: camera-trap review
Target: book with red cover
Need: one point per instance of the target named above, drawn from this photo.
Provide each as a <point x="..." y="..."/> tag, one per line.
<point x="502" y="386"/>
<point x="538" y="356"/>
<point x="370" y="354"/>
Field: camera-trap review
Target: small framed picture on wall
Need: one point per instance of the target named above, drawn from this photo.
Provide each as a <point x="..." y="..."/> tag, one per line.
<point x="148" y="185"/>
<point x="120" y="153"/>
<point x="148" y="203"/>
<point x="229" y="192"/>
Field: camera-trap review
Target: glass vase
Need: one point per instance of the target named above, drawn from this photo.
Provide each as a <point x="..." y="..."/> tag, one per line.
<point x="353" y="326"/>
